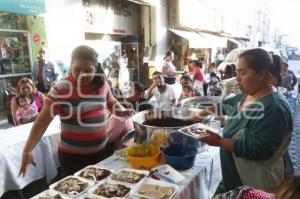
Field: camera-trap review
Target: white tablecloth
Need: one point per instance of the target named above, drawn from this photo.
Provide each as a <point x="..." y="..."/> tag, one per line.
<point x="12" y="142"/>
<point x="201" y="180"/>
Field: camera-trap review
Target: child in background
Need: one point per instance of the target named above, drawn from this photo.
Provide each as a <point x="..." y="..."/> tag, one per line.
<point x="27" y="110"/>
<point x="187" y="91"/>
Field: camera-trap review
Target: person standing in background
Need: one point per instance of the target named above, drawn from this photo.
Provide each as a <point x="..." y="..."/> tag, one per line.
<point x="204" y="69"/>
<point x="197" y="75"/>
<point x="219" y="58"/>
<point x="289" y="80"/>
<point x="168" y="69"/>
<point x="46" y="73"/>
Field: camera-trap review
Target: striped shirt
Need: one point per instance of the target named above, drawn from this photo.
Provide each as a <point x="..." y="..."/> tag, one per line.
<point x="83" y="114"/>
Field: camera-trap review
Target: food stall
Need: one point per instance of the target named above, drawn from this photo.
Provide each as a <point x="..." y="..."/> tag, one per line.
<point x="170" y="164"/>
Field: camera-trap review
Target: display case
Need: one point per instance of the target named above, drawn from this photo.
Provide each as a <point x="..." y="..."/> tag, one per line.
<point x="15" y="62"/>
<point x="14" y="53"/>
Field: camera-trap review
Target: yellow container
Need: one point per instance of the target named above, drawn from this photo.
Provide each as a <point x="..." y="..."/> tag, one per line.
<point x="143" y="156"/>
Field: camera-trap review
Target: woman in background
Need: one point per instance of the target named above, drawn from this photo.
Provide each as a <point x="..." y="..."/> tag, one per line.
<point x="168" y="69"/>
<point x="26" y="87"/>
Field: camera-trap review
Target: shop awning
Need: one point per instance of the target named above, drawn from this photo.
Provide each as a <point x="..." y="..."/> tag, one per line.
<point x="27" y="7"/>
<point x="143" y="2"/>
<point x="201" y="40"/>
<point x="240" y="44"/>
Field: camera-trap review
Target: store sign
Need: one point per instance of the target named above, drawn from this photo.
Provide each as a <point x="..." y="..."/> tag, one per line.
<point x="112" y="19"/>
<point x="28" y="7"/>
<point x="36" y="37"/>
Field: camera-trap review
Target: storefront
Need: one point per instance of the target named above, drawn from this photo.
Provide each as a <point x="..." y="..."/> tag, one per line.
<point x="189" y="45"/>
<point x="113" y="28"/>
<point x="198" y="29"/>
<point x="21" y="34"/>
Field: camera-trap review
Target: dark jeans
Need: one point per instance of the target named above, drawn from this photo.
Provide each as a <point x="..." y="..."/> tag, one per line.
<point x="170" y="80"/>
<point x="71" y="163"/>
<point x="42" y="88"/>
<point x="205" y="87"/>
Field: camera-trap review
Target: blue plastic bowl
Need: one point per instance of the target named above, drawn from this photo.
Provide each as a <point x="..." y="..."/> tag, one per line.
<point x="179" y="156"/>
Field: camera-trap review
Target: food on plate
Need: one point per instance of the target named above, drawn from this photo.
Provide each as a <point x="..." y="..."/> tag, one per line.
<point x="155" y="191"/>
<point x="128" y="176"/>
<point x="71" y="186"/>
<point x="56" y="196"/>
<point x="194" y="131"/>
<point x="112" y="190"/>
<point x="141" y="150"/>
<point x="94" y="173"/>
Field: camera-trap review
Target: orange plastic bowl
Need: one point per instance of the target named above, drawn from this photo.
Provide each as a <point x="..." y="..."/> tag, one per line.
<point x="144" y="162"/>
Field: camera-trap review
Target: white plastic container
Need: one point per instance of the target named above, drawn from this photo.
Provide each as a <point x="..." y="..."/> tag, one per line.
<point x="96" y="167"/>
<point x="73" y="195"/>
<point x="161" y="185"/>
<point x="49" y="192"/>
<point x="145" y="172"/>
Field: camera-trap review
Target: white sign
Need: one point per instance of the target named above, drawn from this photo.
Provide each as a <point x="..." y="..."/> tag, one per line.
<point x="120" y="19"/>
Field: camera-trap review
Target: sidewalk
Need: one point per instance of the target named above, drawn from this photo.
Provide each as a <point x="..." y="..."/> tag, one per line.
<point x="294" y="149"/>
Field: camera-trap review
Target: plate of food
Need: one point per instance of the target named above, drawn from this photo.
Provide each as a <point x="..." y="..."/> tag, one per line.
<point x="198" y="130"/>
<point x="154" y="189"/>
<point x="109" y="189"/>
<point x="94" y="173"/>
<point x="50" y="194"/>
<point x="72" y="186"/>
<point x="129" y="176"/>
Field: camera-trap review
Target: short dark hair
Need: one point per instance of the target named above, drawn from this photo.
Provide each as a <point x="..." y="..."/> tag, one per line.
<point x="186" y="77"/>
<point x="85" y="53"/>
<point x="168" y="53"/>
<point x="188" y="88"/>
<point x="156" y="73"/>
<point x="19" y="97"/>
<point x="197" y="63"/>
<point x="138" y="87"/>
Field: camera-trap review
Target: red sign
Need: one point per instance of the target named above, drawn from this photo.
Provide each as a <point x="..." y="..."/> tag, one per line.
<point x="119" y="31"/>
<point x="36" y="37"/>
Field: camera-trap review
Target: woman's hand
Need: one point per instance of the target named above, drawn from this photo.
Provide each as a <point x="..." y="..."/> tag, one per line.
<point x="125" y="113"/>
<point x="213" y="139"/>
<point x="27" y="159"/>
<point x="198" y="119"/>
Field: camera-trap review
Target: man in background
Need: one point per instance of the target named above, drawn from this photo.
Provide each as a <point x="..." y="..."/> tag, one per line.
<point x="164" y="95"/>
<point x="46" y="73"/>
